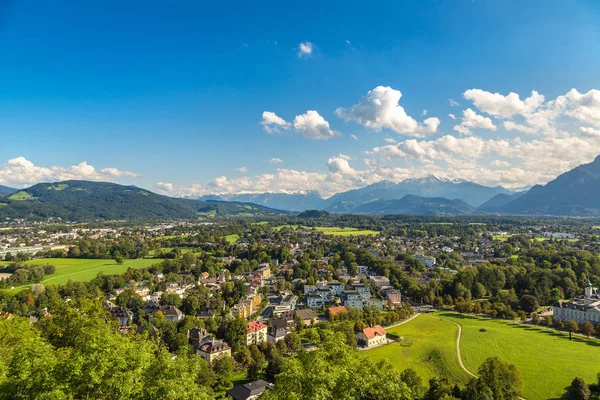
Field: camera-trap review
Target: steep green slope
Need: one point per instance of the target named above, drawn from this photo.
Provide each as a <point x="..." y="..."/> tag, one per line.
<point x="83" y="200"/>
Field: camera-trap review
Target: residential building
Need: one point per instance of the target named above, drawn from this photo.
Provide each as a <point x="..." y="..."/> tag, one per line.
<point x="336" y="311"/>
<point x="214" y="350"/>
<point x="257" y="333"/>
<point x="308" y="317"/>
<point x="370" y="337"/>
<point x="352" y="298"/>
<point x="171" y="313"/>
<point x="314" y="301"/>
<point x="198" y="336"/>
<point x="379" y="281"/>
<point x="394" y="296"/>
<point x="427" y="261"/>
<point x="363" y="289"/>
<point x="336" y="288"/>
<point x="249" y="391"/>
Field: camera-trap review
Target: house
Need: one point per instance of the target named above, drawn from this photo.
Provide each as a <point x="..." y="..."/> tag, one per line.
<point x="123" y="314"/>
<point x="171" y="313"/>
<point x="276" y="334"/>
<point x="370" y="337"/>
<point x="427" y="261"/>
<point x="264" y="271"/>
<point x="285" y="320"/>
<point x="363" y="270"/>
<point x="257" y="333"/>
<point x="379" y="281"/>
<point x="249" y="391"/>
<point x="308" y="317"/>
<point x="198" y="336"/>
<point x="336" y="311"/>
<point x="394" y="296"/>
<point x="204" y="314"/>
<point x="214" y="350"/>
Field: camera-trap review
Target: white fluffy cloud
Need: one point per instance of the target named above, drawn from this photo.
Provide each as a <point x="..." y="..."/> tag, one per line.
<point x="21" y="172"/>
<point x="512" y="126"/>
<point x="273" y="123"/>
<point x="380" y="108"/>
<point x="275" y="160"/>
<point x="354" y="137"/>
<point x="314" y="126"/>
<point x="499" y="105"/>
<point x="242" y="169"/>
<point x="472" y="120"/>
<point x="305" y="49"/>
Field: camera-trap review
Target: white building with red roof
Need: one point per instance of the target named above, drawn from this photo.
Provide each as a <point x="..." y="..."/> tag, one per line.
<point x="257" y="333"/>
<point x="370" y="337"/>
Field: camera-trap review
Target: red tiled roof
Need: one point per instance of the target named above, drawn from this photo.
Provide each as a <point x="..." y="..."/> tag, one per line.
<point x="377" y="330"/>
<point x="256" y="326"/>
<point x="337" y="310"/>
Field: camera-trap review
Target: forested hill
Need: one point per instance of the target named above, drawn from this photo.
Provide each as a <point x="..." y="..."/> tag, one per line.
<point x="84" y="200"/>
<point x="5" y="190"/>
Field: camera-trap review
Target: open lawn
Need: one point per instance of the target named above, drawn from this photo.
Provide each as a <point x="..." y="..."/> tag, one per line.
<point x="83" y="269"/>
<point x="547" y="360"/>
<point x="503" y="238"/>
<point x="427" y="345"/>
<point x="232" y="238"/>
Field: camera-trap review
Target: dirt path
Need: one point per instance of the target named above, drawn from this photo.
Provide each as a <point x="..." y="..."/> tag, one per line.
<point x="458" y="351"/>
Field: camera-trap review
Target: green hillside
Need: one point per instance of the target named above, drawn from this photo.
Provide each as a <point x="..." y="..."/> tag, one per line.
<point x="83" y="200"/>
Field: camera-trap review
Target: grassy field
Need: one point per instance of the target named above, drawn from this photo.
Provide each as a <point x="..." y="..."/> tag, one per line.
<point x="85" y="270"/>
<point x="548" y="361"/>
<point x="501" y="238"/>
<point x="232" y="238"/>
<point x="427" y="345"/>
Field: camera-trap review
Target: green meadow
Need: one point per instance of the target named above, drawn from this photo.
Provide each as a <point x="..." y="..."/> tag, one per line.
<point x="427" y="345"/>
<point x="547" y="359"/>
<point x="78" y="269"/>
<point x="232" y="238"/>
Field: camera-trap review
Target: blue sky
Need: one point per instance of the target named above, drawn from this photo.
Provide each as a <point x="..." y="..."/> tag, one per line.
<point x="149" y="92"/>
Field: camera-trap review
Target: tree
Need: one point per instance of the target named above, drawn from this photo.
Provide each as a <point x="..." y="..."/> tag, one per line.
<point x="499" y="378"/>
<point x="548" y="320"/>
<point x="529" y="303"/>
<point x="293" y="342"/>
<point x="413" y="381"/>
<point x="119" y="259"/>
<point x="571" y="327"/>
<point x="579" y="390"/>
<point x="587" y="328"/>
<point x="535" y="319"/>
<point x="223" y="370"/>
<point x="478" y="290"/>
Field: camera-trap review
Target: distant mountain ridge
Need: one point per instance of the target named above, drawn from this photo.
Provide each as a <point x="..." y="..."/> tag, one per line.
<point x="430" y="186"/>
<point x="84" y="200"/>
<point x="411" y="204"/>
<point x="5" y="190"/>
<point x="573" y="193"/>
<point x="427" y="187"/>
<point x="300" y="201"/>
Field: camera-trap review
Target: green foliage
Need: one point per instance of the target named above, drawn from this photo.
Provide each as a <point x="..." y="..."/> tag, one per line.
<point x="579" y="390"/>
<point x="78" y="353"/>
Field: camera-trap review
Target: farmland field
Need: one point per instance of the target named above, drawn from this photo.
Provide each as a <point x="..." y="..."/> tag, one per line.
<point x="427" y="345"/>
<point x="547" y="360"/>
<point x="78" y="269"/>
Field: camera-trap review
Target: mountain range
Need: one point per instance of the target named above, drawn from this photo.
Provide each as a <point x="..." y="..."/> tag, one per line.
<point x="83" y="200"/>
<point x="573" y="193"/>
<point x="5" y="190"/>
<point x="300" y="201"/>
<point x="370" y="199"/>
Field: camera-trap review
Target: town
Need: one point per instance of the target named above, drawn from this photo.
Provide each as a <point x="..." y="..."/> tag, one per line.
<point x="244" y="295"/>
